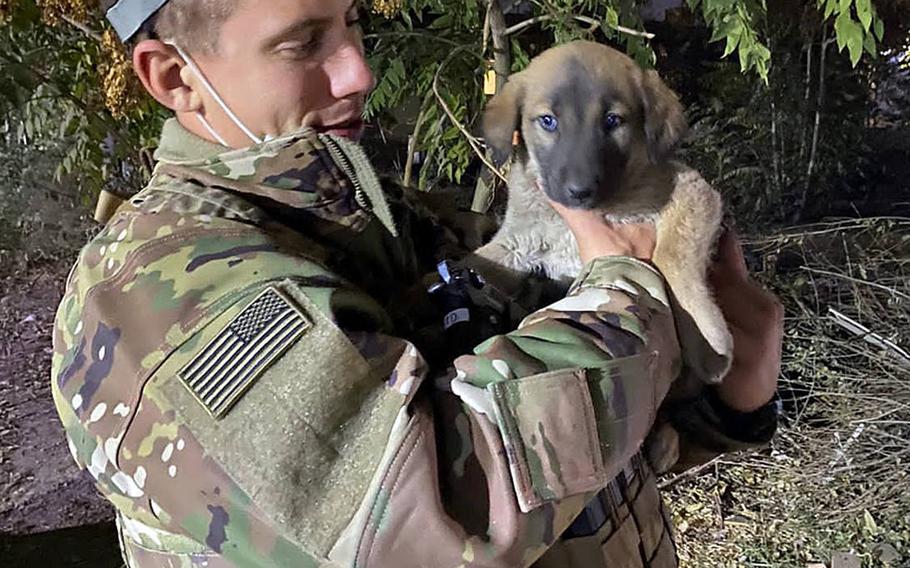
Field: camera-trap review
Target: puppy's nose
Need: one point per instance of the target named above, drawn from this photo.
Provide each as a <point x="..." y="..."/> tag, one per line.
<point x="580" y="192"/>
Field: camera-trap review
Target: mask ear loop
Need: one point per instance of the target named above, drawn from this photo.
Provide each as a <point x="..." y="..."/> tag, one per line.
<point x="227" y="110"/>
<point x="211" y="130"/>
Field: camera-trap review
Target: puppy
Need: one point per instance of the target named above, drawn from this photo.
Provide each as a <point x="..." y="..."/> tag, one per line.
<point x="586" y="127"/>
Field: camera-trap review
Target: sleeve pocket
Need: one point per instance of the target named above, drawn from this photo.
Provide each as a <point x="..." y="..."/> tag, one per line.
<point x="550" y="432"/>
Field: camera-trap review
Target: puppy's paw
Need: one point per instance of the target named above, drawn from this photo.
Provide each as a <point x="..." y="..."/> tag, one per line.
<point x="662" y="448"/>
<point x="706" y="341"/>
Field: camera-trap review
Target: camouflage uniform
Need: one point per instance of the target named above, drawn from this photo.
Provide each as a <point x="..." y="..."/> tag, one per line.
<point x="240" y="362"/>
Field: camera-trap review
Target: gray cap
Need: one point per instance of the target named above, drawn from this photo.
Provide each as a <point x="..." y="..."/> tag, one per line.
<point x="127" y="16"/>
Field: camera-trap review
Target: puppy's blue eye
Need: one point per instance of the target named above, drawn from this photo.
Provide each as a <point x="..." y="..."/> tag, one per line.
<point x="548" y="122"/>
<point x="612" y="121"/>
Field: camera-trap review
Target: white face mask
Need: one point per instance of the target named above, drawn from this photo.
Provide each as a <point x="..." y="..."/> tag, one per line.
<point x="227" y="110"/>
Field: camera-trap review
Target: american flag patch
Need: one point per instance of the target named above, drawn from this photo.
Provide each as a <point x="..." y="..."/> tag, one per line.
<point x="232" y="362"/>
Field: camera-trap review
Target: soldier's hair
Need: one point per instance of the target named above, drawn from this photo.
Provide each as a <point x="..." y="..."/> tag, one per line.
<point x="193" y="24"/>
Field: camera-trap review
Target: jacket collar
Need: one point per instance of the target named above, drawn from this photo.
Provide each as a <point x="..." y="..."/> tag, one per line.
<point x="294" y="174"/>
<point x="179" y="145"/>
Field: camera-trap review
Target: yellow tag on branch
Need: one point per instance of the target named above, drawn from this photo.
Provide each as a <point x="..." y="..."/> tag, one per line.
<point x="489" y="82"/>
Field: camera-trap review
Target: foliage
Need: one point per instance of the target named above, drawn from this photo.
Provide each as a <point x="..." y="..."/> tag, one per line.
<point x="64" y="83"/>
<point x="736" y="22"/>
<point x="64" y="77"/>
<point x="856" y="34"/>
<point x="428" y="38"/>
<point x="778" y="151"/>
<point x="405" y="54"/>
<point x="39" y="219"/>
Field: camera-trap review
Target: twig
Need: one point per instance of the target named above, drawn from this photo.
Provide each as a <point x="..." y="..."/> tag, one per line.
<point x="83" y="28"/>
<point x="717" y="501"/>
<point x="472" y="140"/>
<point x="412" y="143"/>
<point x="664" y="485"/>
<point x="417" y="34"/>
<point x="857" y="281"/>
<point x="584" y="19"/>
<point x="868" y="335"/>
<point x="842" y="450"/>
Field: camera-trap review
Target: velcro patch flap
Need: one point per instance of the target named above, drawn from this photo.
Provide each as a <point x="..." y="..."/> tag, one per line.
<point x="231" y="363"/>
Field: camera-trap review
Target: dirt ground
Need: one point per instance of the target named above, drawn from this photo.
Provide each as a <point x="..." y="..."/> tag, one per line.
<point x="43" y="493"/>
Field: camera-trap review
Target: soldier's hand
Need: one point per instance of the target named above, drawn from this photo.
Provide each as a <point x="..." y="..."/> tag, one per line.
<point x="756" y="320"/>
<point x="598" y="238"/>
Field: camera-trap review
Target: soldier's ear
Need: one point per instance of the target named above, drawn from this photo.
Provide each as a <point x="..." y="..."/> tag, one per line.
<point x="166" y="77"/>
<point x="502" y="118"/>
<point x="665" y="119"/>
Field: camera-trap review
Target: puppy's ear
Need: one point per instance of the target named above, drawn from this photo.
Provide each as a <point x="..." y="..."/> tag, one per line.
<point x="665" y="121"/>
<point x="502" y="118"/>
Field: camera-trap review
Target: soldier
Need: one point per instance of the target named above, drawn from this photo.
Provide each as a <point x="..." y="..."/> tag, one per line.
<point x="248" y="360"/>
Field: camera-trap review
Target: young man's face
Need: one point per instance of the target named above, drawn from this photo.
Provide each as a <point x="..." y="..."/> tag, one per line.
<point x="284" y="64"/>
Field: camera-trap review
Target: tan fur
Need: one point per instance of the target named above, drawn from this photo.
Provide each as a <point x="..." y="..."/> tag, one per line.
<point x="687" y="211"/>
<point x="687" y="231"/>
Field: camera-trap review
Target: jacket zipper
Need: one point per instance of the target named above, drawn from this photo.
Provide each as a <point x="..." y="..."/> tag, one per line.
<point x="341" y="160"/>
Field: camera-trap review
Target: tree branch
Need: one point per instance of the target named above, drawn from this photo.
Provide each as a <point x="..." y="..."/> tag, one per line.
<point x="584" y="19"/>
<point x="472" y="140"/>
<point x="420" y="35"/>
<point x="412" y="143"/>
<point x="869" y="336"/>
<point x="83" y="28"/>
<point x="502" y="50"/>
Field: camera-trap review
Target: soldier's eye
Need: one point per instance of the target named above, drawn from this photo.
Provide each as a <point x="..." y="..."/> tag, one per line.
<point x="548" y="122"/>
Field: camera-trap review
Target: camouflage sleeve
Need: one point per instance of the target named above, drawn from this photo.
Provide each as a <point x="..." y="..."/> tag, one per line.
<point x="256" y="441"/>
<point x="575" y="390"/>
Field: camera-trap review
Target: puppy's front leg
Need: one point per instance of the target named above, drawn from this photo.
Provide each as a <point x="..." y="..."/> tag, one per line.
<point x="688" y="228"/>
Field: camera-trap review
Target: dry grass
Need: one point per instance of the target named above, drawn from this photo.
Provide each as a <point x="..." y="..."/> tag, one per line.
<point x="834" y="491"/>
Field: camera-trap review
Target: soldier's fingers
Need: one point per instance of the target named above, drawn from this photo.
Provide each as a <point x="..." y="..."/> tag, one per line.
<point x="730" y="264"/>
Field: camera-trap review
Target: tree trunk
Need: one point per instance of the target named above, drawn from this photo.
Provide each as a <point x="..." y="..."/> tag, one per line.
<point x="776" y="140"/>
<point x="775" y="147"/>
<point x="820" y="101"/>
<point x="502" y="49"/>
<point x="485" y="190"/>
<point x="803" y="140"/>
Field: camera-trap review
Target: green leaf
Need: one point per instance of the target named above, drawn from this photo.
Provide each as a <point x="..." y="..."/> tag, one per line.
<point x="829" y="8"/>
<point x="849" y="34"/>
<point x="612" y="18"/>
<point x="870" y="46"/>
<point x="732" y="42"/>
<point x="864" y="11"/>
<point x="841" y="26"/>
<point x="879" y="29"/>
<point x="730" y="26"/>
<point x="442" y="22"/>
<point x="869" y="523"/>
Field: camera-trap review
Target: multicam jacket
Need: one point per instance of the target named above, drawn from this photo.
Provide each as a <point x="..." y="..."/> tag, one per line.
<point x="240" y="364"/>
